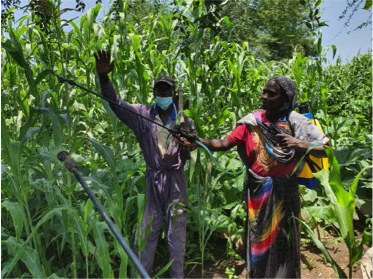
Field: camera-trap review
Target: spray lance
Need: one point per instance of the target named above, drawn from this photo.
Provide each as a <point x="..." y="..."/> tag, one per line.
<point x="70" y="165"/>
<point x="180" y="131"/>
<point x="181" y="125"/>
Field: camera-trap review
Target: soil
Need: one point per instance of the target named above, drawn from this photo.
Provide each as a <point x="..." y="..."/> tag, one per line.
<point x="313" y="263"/>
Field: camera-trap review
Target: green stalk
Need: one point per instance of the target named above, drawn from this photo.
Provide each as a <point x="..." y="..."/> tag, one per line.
<point x="59" y="30"/>
<point x="202" y="206"/>
<point x="201" y="224"/>
<point x="71" y="226"/>
<point x="36" y="238"/>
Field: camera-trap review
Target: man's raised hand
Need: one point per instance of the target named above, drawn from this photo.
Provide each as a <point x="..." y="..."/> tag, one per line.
<point x="103" y="65"/>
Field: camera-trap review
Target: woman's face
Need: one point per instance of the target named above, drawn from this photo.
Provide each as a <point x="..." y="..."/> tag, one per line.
<point x="273" y="97"/>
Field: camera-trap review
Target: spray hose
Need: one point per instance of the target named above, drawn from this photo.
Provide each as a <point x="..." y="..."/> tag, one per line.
<point x="178" y="132"/>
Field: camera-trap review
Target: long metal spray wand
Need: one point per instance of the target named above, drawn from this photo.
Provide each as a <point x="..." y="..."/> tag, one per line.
<point x="70" y="165"/>
<point x="179" y="132"/>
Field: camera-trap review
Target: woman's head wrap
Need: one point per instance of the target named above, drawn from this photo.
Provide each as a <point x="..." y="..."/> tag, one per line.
<point x="291" y="94"/>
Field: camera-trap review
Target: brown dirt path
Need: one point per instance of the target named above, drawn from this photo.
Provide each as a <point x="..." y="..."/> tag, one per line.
<point x="312" y="261"/>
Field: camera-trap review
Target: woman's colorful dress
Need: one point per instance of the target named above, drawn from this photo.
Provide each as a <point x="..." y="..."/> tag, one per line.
<point x="273" y="236"/>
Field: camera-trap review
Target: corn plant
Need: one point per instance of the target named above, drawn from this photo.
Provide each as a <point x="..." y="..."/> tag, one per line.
<point x="49" y="227"/>
<point x="343" y="209"/>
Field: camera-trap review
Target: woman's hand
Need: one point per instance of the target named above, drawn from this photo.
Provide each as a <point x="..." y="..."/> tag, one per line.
<point x="103" y="65"/>
<point x="288" y="142"/>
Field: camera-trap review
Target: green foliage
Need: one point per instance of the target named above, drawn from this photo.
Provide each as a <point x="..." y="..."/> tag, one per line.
<point x="270" y="34"/>
<point x="368" y="4"/>
<point x="342" y="205"/>
<point x="49" y="229"/>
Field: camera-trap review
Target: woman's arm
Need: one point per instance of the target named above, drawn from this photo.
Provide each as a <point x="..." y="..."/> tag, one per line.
<point x="238" y="136"/>
<point x="217" y="145"/>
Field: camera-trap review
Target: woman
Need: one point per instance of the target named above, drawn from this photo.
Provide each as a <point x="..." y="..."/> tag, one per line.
<point x="271" y="142"/>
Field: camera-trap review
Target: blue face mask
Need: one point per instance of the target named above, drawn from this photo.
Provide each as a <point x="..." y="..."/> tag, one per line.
<point x="163" y="102"/>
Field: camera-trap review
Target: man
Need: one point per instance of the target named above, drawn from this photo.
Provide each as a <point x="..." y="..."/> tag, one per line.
<point x="165" y="159"/>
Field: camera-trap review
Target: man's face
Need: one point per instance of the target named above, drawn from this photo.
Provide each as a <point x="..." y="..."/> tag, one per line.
<point x="273" y="98"/>
<point x="163" y="89"/>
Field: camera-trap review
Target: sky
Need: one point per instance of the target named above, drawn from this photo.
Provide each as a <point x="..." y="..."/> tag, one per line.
<point x="335" y="34"/>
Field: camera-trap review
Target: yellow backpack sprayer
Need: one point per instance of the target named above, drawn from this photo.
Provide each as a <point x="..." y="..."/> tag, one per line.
<point x="313" y="164"/>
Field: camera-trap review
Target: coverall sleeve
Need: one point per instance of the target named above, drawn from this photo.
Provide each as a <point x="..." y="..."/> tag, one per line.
<point x="128" y="118"/>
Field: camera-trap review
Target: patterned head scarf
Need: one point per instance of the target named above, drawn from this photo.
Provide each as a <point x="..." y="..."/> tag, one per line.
<point x="291" y="93"/>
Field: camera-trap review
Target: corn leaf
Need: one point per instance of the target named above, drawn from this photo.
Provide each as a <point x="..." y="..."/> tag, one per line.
<point x="164" y="269"/>
<point x="325" y="252"/>
<point x="18" y="216"/>
<point x="29" y="257"/>
<point x="102" y="255"/>
<point x="106" y="152"/>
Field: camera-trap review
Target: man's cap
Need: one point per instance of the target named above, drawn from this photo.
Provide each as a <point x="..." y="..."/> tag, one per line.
<point x="165" y="79"/>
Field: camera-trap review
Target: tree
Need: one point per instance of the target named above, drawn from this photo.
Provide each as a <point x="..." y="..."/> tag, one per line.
<point x="273" y="28"/>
